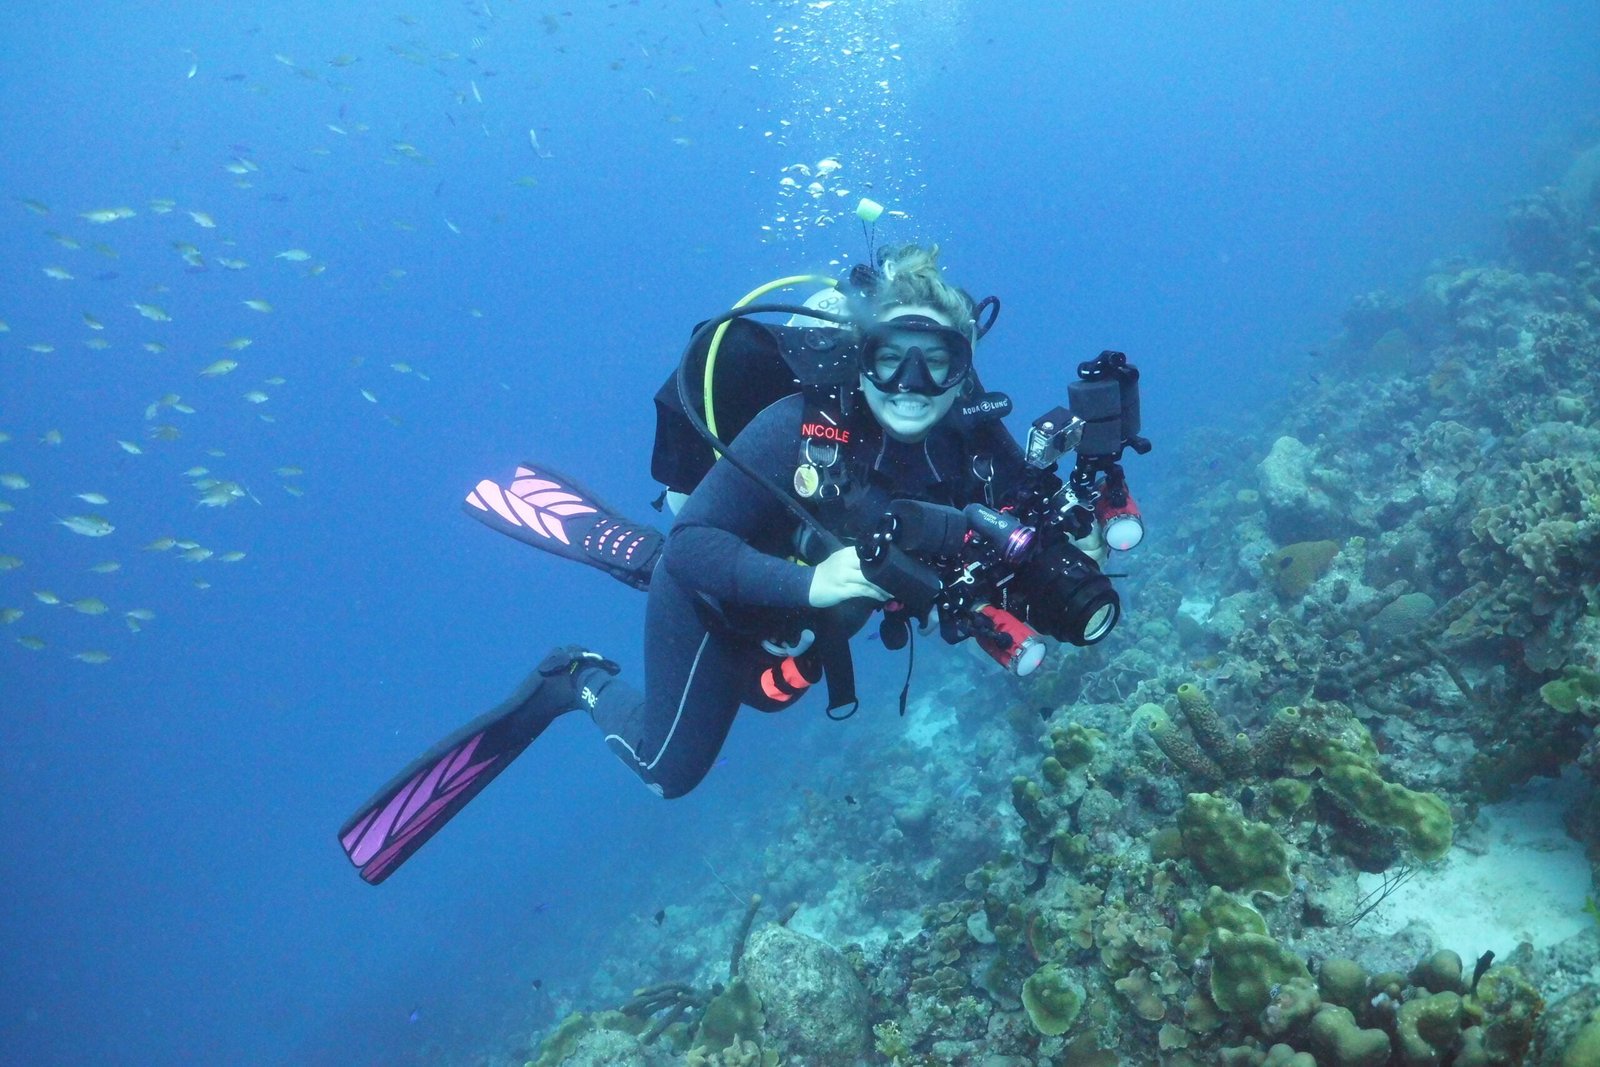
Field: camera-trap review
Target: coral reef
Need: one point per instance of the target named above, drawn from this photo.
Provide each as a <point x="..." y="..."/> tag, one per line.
<point x="1377" y="611"/>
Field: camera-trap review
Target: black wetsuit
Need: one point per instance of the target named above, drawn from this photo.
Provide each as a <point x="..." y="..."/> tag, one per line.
<point x="730" y="544"/>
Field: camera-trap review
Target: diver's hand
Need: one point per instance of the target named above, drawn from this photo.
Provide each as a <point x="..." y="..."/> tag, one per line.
<point x="838" y="578"/>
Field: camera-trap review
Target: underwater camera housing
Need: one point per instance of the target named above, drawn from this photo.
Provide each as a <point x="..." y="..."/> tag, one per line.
<point x="1002" y="576"/>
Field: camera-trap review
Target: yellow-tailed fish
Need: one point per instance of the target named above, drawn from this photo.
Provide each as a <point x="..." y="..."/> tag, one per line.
<point x="60" y="274"/>
<point x="52" y="438"/>
<point x="258" y="305"/>
<point x="220" y="367"/>
<point x="9" y="615"/>
<point x="142" y="614"/>
<point x="14" y="481"/>
<point x="93" y="498"/>
<point x="9" y="563"/>
<point x="294" y="255"/>
<point x="93" y="656"/>
<point x="110" y="566"/>
<point x="231" y="557"/>
<point x="45" y="596"/>
<point x="256" y="396"/>
<point x="130" y="448"/>
<point x="238" y="344"/>
<point x="204" y="220"/>
<point x="152" y="312"/>
<point x="31" y="643"/>
<point x="89" y="605"/>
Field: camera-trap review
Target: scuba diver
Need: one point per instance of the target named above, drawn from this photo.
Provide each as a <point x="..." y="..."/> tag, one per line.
<point x="846" y="463"/>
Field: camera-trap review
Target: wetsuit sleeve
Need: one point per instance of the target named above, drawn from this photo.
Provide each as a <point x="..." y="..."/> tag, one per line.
<point x="710" y="548"/>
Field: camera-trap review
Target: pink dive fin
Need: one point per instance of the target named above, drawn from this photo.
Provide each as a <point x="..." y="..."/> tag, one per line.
<point x="419" y="800"/>
<point x="548" y="510"/>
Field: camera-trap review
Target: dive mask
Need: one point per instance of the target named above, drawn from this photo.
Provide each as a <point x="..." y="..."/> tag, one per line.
<point x="914" y="354"/>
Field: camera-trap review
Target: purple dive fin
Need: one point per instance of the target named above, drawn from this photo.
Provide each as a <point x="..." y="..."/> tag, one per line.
<point x="551" y="511"/>
<point x="419" y="800"/>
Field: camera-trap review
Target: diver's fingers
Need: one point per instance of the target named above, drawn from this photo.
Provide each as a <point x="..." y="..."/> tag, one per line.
<point x="867" y="589"/>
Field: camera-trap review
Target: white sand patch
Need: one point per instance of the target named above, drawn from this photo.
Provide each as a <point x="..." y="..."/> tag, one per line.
<point x="926" y="719"/>
<point x="1513" y="876"/>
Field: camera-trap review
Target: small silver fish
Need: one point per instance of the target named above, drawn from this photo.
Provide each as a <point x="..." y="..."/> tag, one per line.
<point x="87" y="525"/>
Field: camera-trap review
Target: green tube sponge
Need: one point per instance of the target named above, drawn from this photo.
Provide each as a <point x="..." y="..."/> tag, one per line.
<point x="1427" y="1028"/>
<point x="1422" y="819"/>
<point x="1232" y="851"/>
<point x="1232" y="756"/>
<point x="1245" y="967"/>
<point x="1339" y="1042"/>
<point x="1052" y="999"/>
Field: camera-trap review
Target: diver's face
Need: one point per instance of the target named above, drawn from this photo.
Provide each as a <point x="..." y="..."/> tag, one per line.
<point x="905" y="416"/>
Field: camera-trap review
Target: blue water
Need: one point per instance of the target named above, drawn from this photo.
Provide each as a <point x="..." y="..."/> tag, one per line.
<point x="1202" y="186"/>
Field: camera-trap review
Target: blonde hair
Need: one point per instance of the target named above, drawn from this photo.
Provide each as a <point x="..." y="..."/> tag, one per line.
<point x="912" y="276"/>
